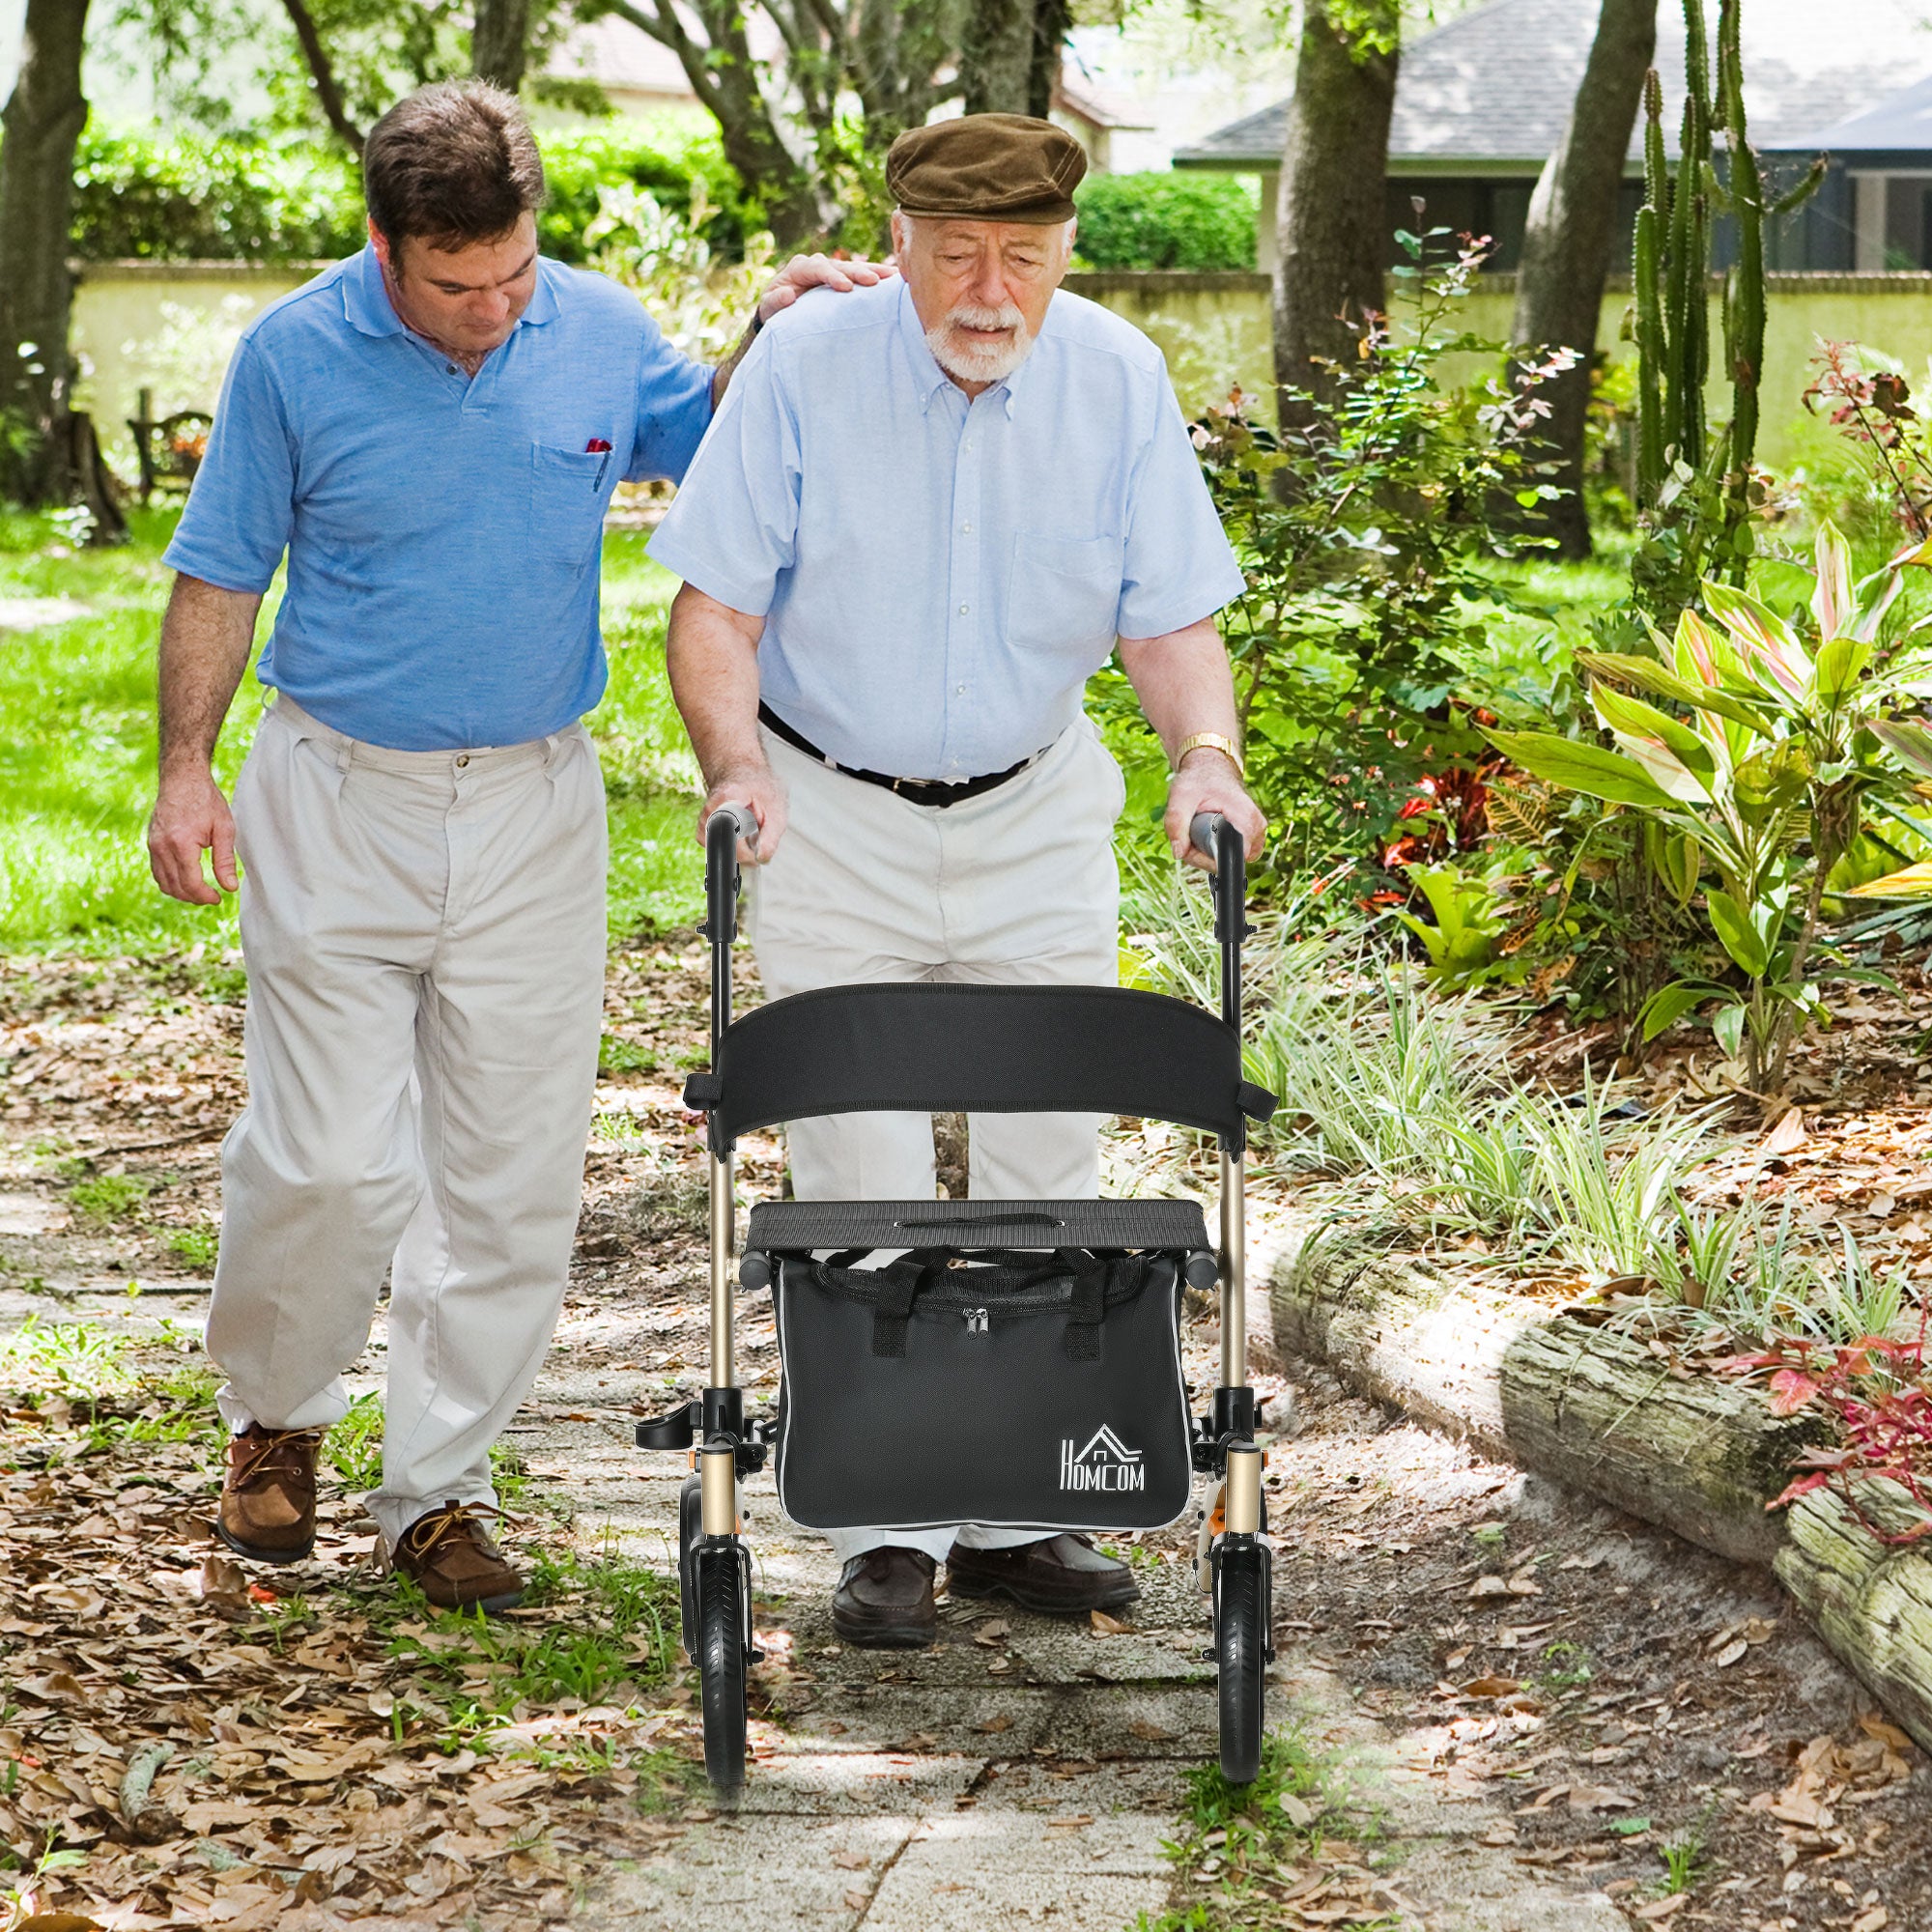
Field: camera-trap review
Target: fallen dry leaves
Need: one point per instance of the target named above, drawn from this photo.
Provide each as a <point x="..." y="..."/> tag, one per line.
<point x="229" y="1757"/>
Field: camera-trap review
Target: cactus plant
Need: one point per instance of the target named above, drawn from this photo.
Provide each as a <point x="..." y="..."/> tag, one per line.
<point x="1694" y="485"/>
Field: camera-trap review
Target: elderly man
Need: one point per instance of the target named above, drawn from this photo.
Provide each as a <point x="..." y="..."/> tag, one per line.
<point x="924" y="516"/>
<point x="431" y="430"/>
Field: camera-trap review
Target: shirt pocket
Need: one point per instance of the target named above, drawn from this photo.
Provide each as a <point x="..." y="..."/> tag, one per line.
<point x="1065" y="594"/>
<point x="568" y="491"/>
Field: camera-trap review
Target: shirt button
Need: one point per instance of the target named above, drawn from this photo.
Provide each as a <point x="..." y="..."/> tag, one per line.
<point x="964" y="607"/>
<point x="462" y="761"/>
<point x="449" y="368"/>
<point x="960" y="690"/>
<point x="966" y="530"/>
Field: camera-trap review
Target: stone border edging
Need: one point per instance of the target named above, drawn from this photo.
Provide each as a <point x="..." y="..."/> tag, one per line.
<point x="1594" y="1407"/>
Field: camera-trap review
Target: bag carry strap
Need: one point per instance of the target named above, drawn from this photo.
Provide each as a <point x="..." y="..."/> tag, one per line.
<point x="1090" y="1303"/>
<point x="898" y="1283"/>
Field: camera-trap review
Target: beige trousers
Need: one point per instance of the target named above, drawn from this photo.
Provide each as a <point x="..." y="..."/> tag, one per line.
<point x="424" y="937"/>
<point x="1016" y="885"/>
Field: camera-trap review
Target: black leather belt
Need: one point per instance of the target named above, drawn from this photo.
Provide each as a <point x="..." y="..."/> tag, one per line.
<point x="916" y="791"/>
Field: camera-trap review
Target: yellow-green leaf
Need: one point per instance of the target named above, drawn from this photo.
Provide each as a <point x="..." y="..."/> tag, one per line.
<point x="1914" y="882"/>
<point x="1580" y="767"/>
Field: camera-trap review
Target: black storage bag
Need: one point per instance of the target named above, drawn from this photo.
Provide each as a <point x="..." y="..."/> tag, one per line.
<point x="1037" y="1392"/>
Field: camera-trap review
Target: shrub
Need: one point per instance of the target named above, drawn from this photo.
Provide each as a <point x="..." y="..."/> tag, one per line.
<point x="1166" y="221"/>
<point x="191" y="198"/>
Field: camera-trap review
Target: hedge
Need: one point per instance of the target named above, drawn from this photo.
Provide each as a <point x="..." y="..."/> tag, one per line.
<point x="193" y="199"/>
<point x="1197" y="221"/>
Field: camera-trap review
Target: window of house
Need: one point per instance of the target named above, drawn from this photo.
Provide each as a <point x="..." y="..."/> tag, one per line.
<point x="1894" y="220"/>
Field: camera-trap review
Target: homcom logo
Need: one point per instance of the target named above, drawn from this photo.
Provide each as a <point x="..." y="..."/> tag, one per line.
<point x="1105" y="1463"/>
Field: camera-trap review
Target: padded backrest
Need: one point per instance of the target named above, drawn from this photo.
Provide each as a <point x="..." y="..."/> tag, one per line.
<point x="943" y="1048"/>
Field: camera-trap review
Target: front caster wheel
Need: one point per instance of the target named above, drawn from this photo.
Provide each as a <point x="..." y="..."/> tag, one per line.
<point x="1241" y="1614"/>
<point x="722" y="1590"/>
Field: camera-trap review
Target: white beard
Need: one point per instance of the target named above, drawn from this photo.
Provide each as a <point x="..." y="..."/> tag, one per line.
<point x="975" y="362"/>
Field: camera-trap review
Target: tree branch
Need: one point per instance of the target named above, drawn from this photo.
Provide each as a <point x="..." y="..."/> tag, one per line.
<point x="326" y="90"/>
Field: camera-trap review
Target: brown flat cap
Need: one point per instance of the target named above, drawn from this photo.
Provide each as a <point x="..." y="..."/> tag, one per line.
<point x="986" y="167"/>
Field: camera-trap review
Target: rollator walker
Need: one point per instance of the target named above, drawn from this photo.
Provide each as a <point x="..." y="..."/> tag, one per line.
<point x="1014" y="1364"/>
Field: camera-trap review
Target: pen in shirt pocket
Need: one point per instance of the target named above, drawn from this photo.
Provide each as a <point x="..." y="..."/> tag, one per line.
<point x="597" y="446"/>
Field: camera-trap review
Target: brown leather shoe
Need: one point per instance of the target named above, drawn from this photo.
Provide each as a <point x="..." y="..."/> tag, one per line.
<point x="884" y="1600"/>
<point x="455" y="1562"/>
<point x="268" y="1497"/>
<point x="1062" y="1574"/>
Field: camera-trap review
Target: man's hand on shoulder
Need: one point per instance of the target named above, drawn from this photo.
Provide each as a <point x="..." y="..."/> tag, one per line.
<point x="192" y="817"/>
<point x="758" y="786"/>
<point x="806" y="272"/>
<point x="1208" y="781"/>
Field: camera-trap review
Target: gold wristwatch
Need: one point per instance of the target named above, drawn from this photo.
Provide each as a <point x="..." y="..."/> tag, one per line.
<point x="1210" y="741"/>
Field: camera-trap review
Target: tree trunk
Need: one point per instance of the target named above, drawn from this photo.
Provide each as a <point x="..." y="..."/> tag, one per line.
<point x="724" y="78"/>
<point x="1870" y="1601"/>
<point x="996" y="57"/>
<point x="499" y="43"/>
<point x="1052" y="20"/>
<point x="1568" y="244"/>
<point x="1333" y="238"/>
<point x="39" y="131"/>
<point x="1594" y="1409"/>
<point x="1588" y="1405"/>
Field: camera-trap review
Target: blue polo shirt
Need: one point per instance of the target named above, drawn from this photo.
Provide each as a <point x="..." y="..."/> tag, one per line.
<point x="442" y="532"/>
<point x="940" y="576"/>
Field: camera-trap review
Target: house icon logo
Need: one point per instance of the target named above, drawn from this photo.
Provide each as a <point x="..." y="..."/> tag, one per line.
<point x="1106" y="1463"/>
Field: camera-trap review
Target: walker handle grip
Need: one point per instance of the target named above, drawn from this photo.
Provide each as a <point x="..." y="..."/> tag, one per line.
<point x="723" y="829"/>
<point x="1204" y="834"/>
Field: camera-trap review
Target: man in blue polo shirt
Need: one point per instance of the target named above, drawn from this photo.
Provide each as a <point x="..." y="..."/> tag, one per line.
<point x="431" y="431"/>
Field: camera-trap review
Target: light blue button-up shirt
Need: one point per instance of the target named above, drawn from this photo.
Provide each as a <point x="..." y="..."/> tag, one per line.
<point x="443" y="533"/>
<point x="940" y="576"/>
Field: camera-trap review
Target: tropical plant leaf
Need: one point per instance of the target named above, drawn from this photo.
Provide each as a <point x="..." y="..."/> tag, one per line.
<point x="1646" y="675"/>
<point x="1731" y="921"/>
<point x="1582" y="767"/>
<point x="1832" y="590"/>
<point x="1728" y="1028"/>
<point x="1914" y="882"/>
<point x="1666" y="1008"/>
<point x="1842" y="662"/>
<point x="1766" y="644"/>
<point x="1906" y="740"/>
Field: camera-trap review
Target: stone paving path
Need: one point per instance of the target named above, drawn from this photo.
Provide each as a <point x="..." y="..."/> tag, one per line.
<point x="1026" y="1781"/>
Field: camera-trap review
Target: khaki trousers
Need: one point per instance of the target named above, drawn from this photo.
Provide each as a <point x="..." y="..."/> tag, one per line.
<point x="424" y="936"/>
<point x="1016" y="885"/>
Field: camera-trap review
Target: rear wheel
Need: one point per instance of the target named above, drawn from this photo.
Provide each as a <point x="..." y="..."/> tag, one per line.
<point x="720" y="1580"/>
<point x="1241" y="1612"/>
<point x="690" y="1527"/>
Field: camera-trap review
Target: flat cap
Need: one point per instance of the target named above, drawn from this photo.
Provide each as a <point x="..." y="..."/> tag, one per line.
<point x="986" y="167"/>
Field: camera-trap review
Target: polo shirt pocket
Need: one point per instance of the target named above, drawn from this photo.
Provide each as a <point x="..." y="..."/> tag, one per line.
<point x="1066" y="593"/>
<point x="568" y="492"/>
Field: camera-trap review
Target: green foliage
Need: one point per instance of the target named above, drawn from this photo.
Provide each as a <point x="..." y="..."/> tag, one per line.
<point x="1364" y="540"/>
<point x="1461" y="938"/>
<point x="1166" y="220"/>
<point x="353" y="1447"/>
<point x="197" y="1246"/>
<point x="108" y="1196"/>
<point x="191" y="198"/>
<point x="1758" y="793"/>
<point x="201" y="198"/>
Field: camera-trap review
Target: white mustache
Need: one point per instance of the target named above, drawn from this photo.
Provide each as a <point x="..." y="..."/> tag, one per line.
<point x="976" y="315"/>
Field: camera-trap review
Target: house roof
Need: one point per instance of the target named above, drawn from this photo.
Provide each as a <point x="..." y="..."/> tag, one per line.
<point x="1903" y="122"/>
<point x="1495" y="85"/>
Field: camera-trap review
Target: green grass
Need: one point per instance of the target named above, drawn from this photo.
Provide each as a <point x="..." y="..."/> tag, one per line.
<point x="77" y="751"/>
<point x="108" y="1196"/>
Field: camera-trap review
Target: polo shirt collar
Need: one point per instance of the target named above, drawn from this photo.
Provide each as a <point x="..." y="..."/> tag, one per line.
<point x="930" y="379"/>
<point x="366" y="305"/>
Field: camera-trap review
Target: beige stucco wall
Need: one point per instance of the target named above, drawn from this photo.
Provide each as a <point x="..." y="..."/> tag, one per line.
<point x="1214" y="328"/>
<point x="167" y="325"/>
<point x="172" y="326"/>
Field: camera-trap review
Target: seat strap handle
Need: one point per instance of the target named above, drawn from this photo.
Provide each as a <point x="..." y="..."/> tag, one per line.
<point x="1090" y="1303"/>
<point x="900" y="1282"/>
